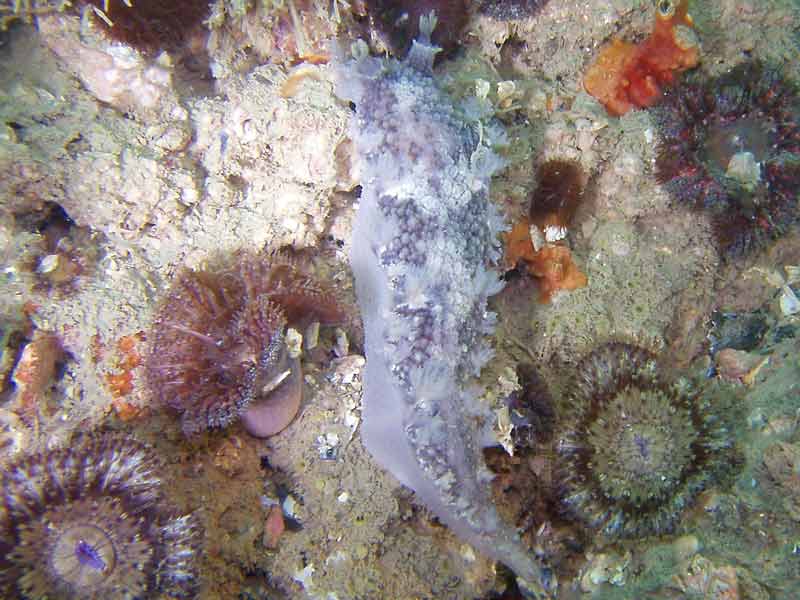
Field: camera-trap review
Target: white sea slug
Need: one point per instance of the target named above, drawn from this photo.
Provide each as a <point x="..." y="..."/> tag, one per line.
<point x="424" y="246"/>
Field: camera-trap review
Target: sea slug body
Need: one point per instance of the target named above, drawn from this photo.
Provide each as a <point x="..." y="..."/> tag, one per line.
<point x="425" y="241"/>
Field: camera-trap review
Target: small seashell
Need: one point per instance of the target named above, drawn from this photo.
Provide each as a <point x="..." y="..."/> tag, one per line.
<point x="790" y="305"/>
<point x="48" y="264"/>
<point x="792" y="273"/>
<point x="13" y="434"/>
<point x="311" y="337"/>
<point x="506" y="89"/>
<point x="605" y="568"/>
<point x="342" y="346"/>
<point x="328" y="446"/>
<point x="685" y="547"/>
<point x="294" y="342"/>
<point x="482" y="88"/>
<point x="738" y="365"/>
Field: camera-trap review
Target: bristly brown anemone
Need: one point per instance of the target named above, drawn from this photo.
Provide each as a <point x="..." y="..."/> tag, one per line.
<point x="218" y="347"/>
<point x="88" y="522"/>
<point x="149" y="25"/>
<point x="730" y="147"/>
<point x="637" y="447"/>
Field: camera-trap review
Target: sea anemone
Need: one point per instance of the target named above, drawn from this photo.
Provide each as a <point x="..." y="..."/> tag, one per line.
<point x="561" y="190"/>
<point x="730" y="146"/>
<point x="89" y="522"/>
<point x="150" y="25"/>
<point x="218" y="346"/>
<point x="636" y="446"/>
<point x="538" y="240"/>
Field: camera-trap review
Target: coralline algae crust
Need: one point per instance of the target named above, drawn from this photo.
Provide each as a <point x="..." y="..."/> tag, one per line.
<point x="424" y="244"/>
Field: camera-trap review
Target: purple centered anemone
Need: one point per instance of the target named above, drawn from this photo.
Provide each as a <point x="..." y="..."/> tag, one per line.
<point x="636" y="446"/>
<point x="89" y="522"/>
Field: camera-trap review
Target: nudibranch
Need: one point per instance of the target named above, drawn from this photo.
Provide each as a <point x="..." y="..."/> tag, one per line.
<point x="424" y="256"/>
<point x="627" y="75"/>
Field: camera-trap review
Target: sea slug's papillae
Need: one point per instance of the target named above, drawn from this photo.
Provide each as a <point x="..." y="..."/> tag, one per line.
<point x="627" y="76"/>
<point x="424" y="243"/>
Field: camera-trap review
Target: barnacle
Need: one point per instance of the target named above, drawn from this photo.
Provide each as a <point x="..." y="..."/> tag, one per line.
<point x="89" y="522"/>
<point x="62" y="254"/>
<point x="218" y="346"/>
<point x="627" y="75"/>
<point x="637" y="446"/>
<point x="730" y="147"/>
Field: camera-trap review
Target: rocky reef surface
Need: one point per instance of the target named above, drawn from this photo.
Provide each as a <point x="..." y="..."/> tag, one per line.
<point x="122" y="167"/>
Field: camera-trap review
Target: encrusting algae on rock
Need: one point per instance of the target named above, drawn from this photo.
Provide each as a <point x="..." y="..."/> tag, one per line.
<point x="425" y="243"/>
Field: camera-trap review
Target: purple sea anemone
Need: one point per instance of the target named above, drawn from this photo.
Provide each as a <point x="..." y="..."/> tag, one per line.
<point x="730" y="147"/>
<point x="89" y="522"/>
<point x="218" y="347"/>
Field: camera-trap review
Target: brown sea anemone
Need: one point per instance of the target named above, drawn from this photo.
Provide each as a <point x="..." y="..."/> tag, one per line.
<point x="218" y="350"/>
<point x="637" y="445"/>
<point x="89" y="522"/>
<point x="561" y="191"/>
<point x="730" y="147"/>
<point x="149" y="25"/>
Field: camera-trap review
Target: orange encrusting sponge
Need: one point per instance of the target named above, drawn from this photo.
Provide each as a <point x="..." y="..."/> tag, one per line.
<point x="551" y="265"/>
<point x="627" y="75"/>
